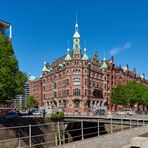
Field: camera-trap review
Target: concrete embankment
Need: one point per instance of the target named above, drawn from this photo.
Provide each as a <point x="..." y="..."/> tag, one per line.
<point x="114" y="140"/>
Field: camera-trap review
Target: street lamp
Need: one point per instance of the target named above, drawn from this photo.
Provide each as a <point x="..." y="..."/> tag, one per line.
<point x="109" y="100"/>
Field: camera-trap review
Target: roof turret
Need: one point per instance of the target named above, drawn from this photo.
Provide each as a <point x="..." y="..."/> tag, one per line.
<point x="68" y="57"/>
<point x="104" y="65"/>
<point x="142" y="76"/>
<point x="31" y="78"/>
<point x="45" y="69"/>
<point x="85" y="57"/>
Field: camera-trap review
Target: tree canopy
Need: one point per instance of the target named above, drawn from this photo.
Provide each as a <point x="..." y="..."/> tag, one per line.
<point x="31" y="102"/>
<point x="118" y="96"/>
<point x="12" y="80"/>
<point x="130" y="94"/>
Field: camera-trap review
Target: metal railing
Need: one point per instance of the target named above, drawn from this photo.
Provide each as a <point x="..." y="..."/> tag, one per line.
<point x="53" y="134"/>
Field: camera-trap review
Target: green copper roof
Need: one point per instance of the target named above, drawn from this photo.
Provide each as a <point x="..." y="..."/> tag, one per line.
<point x="45" y="69"/>
<point x="85" y="57"/>
<point x="142" y="76"/>
<point x="68" y="57"/>
<point x="61" y="65"/>
<point x="124" y="68"/>
<point x="31" y="78"/>
<point x="104" y="65"/>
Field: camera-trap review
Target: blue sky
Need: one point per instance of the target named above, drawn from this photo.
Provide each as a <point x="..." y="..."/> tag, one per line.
<point x="41" y="29"/>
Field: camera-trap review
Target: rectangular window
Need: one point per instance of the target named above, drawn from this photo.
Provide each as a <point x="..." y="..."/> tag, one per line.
<point x="67" y="92"/>
<point x="76" y="92"/>
<point x="67" y="82"/>
<point x="54" y="85"/>
<point x="59" y="94"/>
<point x="55" y="94"/>
<point x="85" y="82"/>
<point x="85" y="92"/>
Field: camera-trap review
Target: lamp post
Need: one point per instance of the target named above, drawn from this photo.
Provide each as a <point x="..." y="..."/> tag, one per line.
<point x="109" y="100"/>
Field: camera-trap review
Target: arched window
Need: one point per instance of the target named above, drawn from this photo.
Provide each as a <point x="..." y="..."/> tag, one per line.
<point x="47" y="103"/>
<point x="76" y="103"/>
<point x="76" y="92"/>
<point x="55" y="103"/>
<point x="64" y="103"/>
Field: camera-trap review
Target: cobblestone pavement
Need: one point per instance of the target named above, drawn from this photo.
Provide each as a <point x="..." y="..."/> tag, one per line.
<point x="115" y="140"/>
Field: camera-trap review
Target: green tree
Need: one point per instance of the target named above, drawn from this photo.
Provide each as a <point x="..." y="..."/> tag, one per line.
<point x="144" y="99"/>
<point x="12" y="80"/>
<point x="130" y="94"/>
<point x="134" y="92"/>
<point x="31" y="101"/>
<point x="19" y="106"/>
<point x="118" y="96"/>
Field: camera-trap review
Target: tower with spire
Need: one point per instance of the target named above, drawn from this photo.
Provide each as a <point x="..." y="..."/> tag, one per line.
<point x="76" y="43"/>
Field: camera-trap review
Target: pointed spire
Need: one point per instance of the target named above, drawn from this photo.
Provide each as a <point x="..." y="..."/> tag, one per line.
<point x="142" y="76"/>
<point x="31" y="77"/>
<point x="134" y="70"/>
<point x="112" y="59"/>
<point x="96" y="55"/>
<point x="127" y="67"/>
<point x="104" y="65"/>
<point x="76" y="42"/>
<point x="68" y="57"/>
<point x="85" y="57"/>
<point x="45" y="69"/>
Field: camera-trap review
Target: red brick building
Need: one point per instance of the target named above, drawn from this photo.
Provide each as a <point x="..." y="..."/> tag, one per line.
<point x="4" y="26"/>
<point x="76" y="82"/>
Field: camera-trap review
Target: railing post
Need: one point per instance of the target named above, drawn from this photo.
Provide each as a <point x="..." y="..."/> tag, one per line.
<point x="111" y="125"/>
<point x="30" y="136"/>
<point x="59" y="134"/>
<point x="98" y="128"/>
<point x="19" y="141"/>
<point x="137" y="123"/>
<point x="82" y="130"/>
<point x="121" y="124"/>
<point x="143" y="121"/>
<point x="130" y="124"/>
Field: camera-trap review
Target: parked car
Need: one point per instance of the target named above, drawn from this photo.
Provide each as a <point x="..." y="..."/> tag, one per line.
<point x="31" y="110"/>
<point x="125" y="112"/>
<point x="100" y="112"/>
<point x="11" y="115"/>
<point x="37" y="113"/>
<point x="23" y="113"/>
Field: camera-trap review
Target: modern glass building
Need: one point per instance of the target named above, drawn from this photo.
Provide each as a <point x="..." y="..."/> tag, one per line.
<point x="21" y="99"/>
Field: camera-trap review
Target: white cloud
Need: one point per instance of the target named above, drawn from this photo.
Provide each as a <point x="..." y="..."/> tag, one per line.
<point x="117" y="50"/>
<point x="114" y="51"/>
<point x="127" y="45"/>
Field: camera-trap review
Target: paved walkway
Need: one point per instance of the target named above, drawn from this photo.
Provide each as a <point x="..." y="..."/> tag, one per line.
<point x="115" y="140"/>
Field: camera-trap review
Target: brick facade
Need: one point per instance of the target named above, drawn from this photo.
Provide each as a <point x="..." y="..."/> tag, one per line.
<point x="75" y="83"/>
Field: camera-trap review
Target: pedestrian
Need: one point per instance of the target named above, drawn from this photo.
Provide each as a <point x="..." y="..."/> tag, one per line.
<point x="44" y="112"/>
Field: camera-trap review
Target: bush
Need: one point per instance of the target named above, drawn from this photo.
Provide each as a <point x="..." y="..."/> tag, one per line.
<point x="58" y="116"/>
